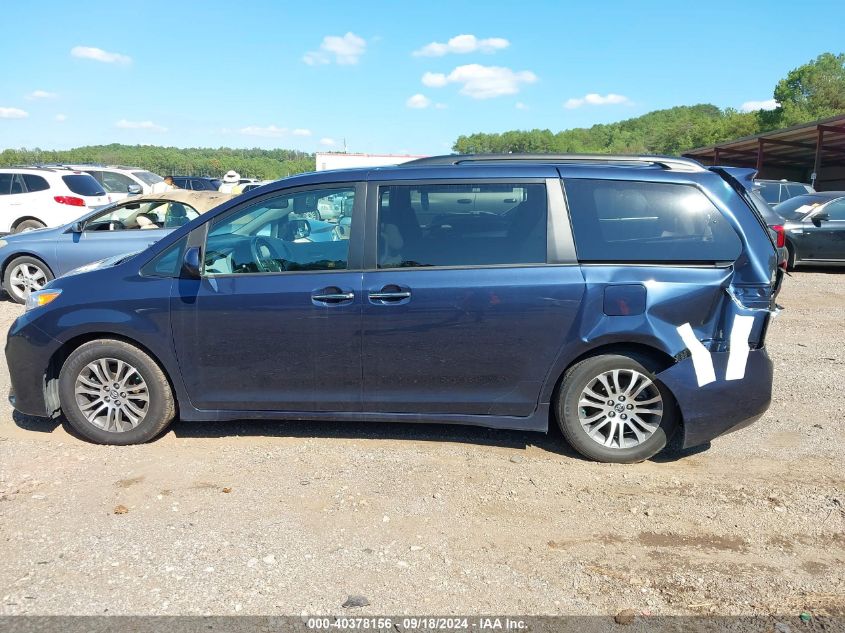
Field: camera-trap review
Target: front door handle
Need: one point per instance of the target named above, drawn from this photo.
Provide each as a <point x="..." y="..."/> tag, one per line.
<point x="332" y="295"/>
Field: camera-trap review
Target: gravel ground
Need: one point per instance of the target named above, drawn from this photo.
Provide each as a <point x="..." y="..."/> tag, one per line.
<point x="292" y="518"/>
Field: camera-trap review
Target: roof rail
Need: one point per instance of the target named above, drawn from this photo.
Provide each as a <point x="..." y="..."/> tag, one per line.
<point x="665" y="162"/>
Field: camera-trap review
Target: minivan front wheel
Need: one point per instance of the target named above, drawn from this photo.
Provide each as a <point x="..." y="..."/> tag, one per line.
<point x="611" y="408"/>
<point x="111" y="392"/>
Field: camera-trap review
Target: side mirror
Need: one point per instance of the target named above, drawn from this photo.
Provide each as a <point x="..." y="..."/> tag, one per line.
<point x="819" y="218"/>
<point x="134" y="190"/>
<point x="191" y="263"/>
<point x="301" y="229"/>
<point x="77" y="227"/>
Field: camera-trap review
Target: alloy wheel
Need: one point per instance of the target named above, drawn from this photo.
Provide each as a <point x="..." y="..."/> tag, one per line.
<point x="27" y="278"/>
<point x="112" y="395"/>
<point x="621" y="408"/>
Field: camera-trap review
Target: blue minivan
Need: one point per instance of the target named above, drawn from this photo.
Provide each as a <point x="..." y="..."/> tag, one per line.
<point x="625" y="299"/>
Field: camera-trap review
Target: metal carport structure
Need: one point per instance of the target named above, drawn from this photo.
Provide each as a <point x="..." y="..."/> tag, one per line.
<point x="811" y="152"/>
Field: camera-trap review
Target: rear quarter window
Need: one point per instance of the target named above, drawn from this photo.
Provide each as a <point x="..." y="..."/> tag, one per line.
<point x="35" y="183"/>
<point x="83" y="185"/>
<point x="626" y="221"/>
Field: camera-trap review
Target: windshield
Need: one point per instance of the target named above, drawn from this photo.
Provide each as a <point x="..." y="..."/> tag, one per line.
<point x="147" y="177"/>
<point x="799" y="206"/>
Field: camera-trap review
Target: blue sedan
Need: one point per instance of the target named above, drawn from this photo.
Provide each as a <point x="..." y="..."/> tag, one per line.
<point x="31" y="259"/>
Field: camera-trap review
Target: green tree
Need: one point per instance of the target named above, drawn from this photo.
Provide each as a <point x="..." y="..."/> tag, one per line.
<point x="813" y="91"/>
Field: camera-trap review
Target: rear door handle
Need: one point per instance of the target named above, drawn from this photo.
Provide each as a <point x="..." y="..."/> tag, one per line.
<point x="390" y="296"/>
<point x="391" y="293"/>
<point x="332" y="295"/>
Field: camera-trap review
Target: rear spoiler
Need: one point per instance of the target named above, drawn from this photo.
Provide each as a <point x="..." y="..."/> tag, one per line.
<point x="745" y="175"/>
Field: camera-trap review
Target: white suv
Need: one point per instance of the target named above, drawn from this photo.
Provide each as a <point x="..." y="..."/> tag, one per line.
<point x="35" y="197"/>
<point x="120" y="182"/>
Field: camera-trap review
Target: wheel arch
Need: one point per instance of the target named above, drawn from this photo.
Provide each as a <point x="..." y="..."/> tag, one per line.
<point x="24" y="218"/>
<point x="51" y="379"/>
<point x="659" y="360"/>
<point x="10" y="258"/>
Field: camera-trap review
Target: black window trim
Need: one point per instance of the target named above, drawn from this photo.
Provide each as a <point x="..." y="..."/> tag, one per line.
<point x="560" y="245"/>
<point x="685" y="263"/>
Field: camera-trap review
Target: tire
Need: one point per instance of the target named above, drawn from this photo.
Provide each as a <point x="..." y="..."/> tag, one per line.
<point x="312" y="215"/>
<point x="28" y="225"/>
<point x="115" y="425"/>
<point x="24" y="275"/>
<point x="791" y="263"/>
<point x="597" y="444"/>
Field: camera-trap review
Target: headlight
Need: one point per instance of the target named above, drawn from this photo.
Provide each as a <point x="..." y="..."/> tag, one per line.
<point x="3" y="243"/>
<point x="41" y="298"/>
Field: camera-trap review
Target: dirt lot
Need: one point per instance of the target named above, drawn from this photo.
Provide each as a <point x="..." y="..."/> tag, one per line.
<point x="290" y="518"/>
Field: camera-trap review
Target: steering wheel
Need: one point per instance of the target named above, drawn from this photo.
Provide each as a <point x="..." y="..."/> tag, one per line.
<point x="265" y="256"/>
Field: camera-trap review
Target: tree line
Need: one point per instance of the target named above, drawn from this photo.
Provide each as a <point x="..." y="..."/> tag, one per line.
<point x="265" y="164"/>
<point x="812" y="91"/>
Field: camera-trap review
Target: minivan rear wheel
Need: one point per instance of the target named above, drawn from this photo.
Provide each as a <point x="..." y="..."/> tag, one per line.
<point x="611" y="408"/>
<point x="111" y="392"/>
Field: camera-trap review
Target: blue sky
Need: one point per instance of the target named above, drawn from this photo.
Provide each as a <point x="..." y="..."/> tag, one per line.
<point x="385" y="76"/>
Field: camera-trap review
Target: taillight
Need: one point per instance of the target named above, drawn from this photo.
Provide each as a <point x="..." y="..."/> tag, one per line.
<point x="781" y="242"/>
<point x="71" y="200"/>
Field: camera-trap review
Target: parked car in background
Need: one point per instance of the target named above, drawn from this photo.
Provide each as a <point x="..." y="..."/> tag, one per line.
<point x="197" y="183"/>
<point x="777" y="191"/>
<point x="36" y="197"/>
<point x="249" y="186"/>
<point x="625" y="298"/>
<point x="814" y="225"/>
<point x="120" y="182"/>
<point x="29" y="260"/>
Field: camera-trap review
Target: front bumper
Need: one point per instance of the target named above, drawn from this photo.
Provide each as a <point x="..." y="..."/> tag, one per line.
<point x="722" y="406"/>
<point x="28" y="354"/>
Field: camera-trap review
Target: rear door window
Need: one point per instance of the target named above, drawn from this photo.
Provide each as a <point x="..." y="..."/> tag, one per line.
<point x="83" y="185"/>
<point x="625" y="221"/>
<point x="471" y="224"/>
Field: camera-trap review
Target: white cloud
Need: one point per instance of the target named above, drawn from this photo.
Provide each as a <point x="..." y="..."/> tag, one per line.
<point x="98" y="54"/>
<point x="270" y="131"/>
<point x="418" y="102"/>
<point x="61" y="118"/>
<point x="301" y="131"/>
<point x="434" y="80"/>
<point x="140" y="125"/>
<point x="462" y="44"/>
<point x="328" y="142"/>
<point x="13" y="113"/>
<point x="753" y="106"/>
<point x="41" y="94"/>
<point x="346" y="50"/>
<point x="520" y="106"/>
<point x="482" y="82"/>
<point x="594" y="98"/>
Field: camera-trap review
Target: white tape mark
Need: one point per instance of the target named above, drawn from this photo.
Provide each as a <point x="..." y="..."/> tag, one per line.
<point x="701" y="361"/>
<point x="738" y="357"/>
